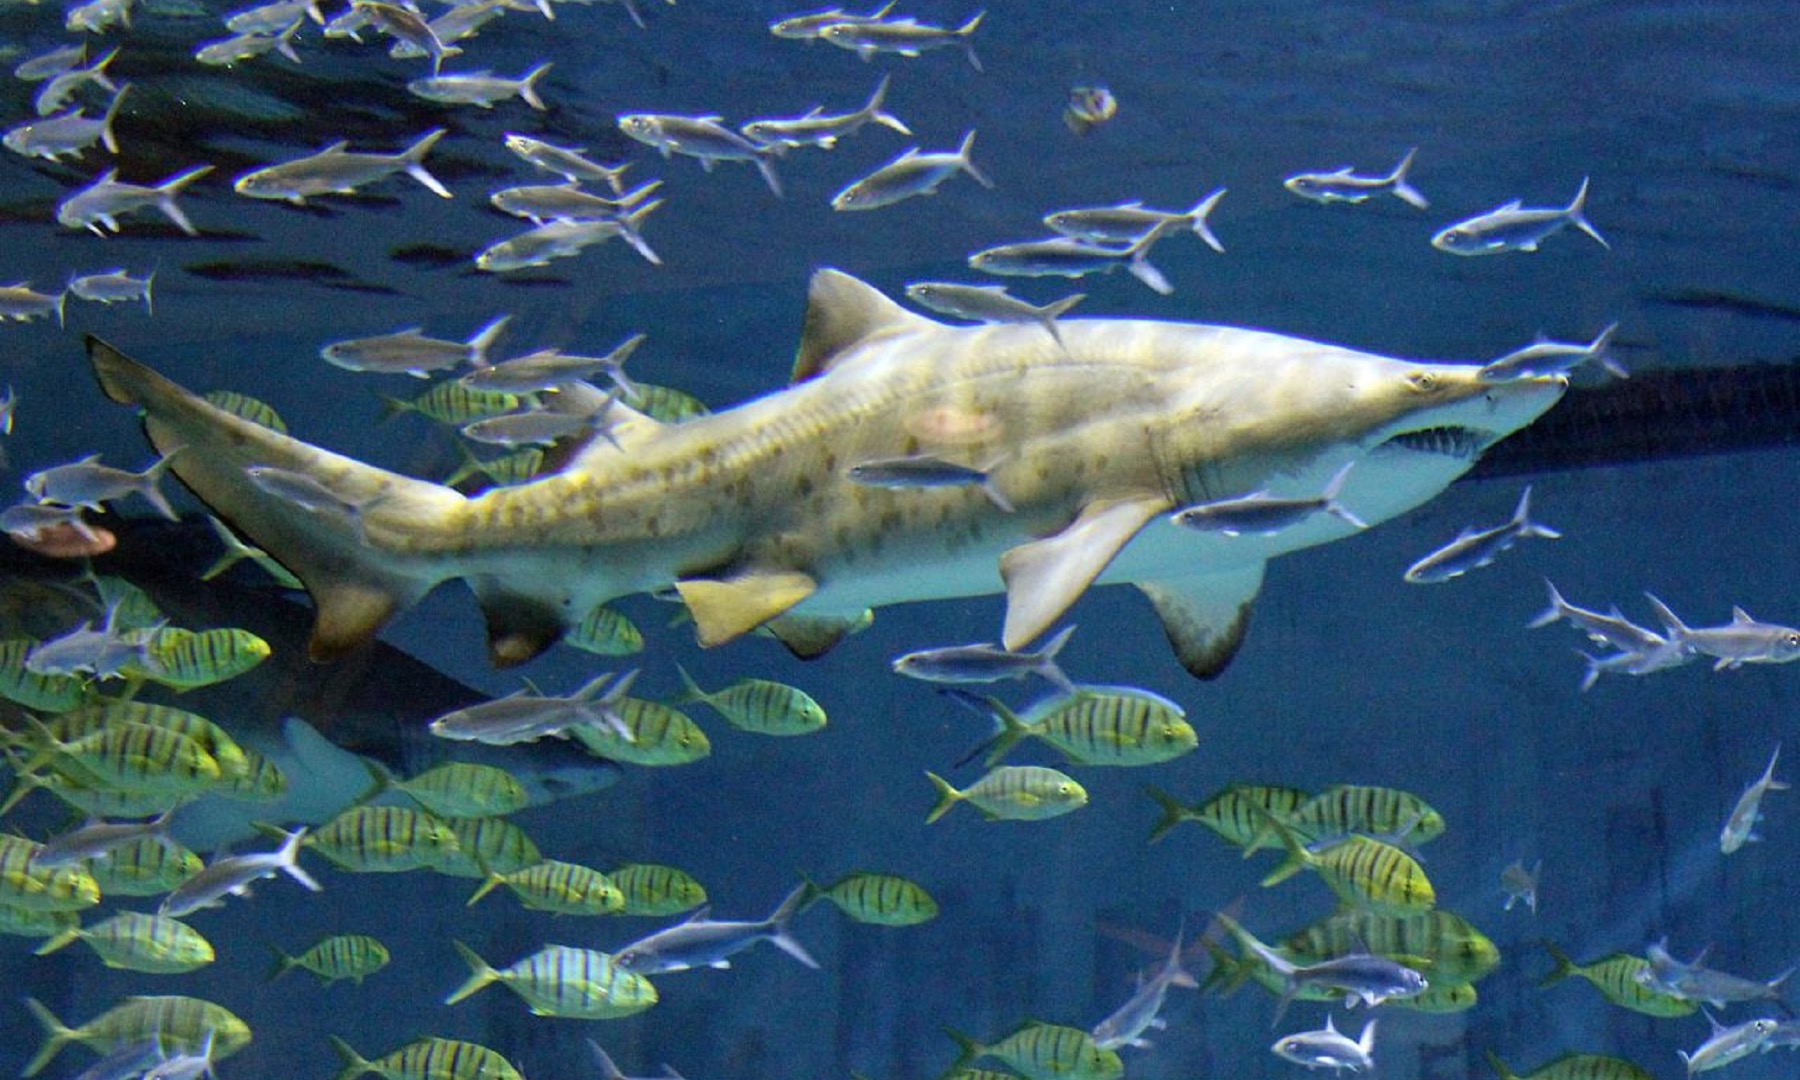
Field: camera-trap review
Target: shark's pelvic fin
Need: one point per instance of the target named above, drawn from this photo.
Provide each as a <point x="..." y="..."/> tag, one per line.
<point x="812" y="636"/>
<point x="1045" y="576"/>
<point x="842" y="311"/>
<point x="1206" y="615"/>
<point x="354" y="590"/>
<point x="728" y="608"/>
<point x="518" y="627"/>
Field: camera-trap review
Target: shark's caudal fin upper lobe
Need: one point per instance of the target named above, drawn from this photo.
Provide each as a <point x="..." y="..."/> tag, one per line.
<point x="356" y="587"/>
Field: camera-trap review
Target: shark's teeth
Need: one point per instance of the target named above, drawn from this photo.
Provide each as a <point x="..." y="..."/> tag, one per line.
<point x="1457" y="442"/>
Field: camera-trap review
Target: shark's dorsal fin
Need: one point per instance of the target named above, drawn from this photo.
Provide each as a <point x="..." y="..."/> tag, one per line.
<point x="1205" y="615"/>
<point x="840" y="312"/>
<point x="1043" y="577"/>
<point x="812" y="636"/>
<point x="724" y="609"/>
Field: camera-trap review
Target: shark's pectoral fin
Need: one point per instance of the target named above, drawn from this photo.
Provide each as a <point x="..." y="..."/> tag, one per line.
<point x="812" y="636"/>
<point x="1045" y="576"/>
<point x="729" y="608"/>
<point x="1205" y="615"/>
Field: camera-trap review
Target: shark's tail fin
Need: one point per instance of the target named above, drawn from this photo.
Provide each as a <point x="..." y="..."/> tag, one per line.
<point x="355" y="588"/>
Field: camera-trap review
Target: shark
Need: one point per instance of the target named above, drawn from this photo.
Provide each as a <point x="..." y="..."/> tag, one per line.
<point x="751" y="517"/>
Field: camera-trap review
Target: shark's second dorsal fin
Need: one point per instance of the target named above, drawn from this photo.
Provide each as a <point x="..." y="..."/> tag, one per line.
<point x="841" y="311"/>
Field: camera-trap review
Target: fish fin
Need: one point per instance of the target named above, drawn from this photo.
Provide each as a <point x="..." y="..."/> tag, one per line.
<point x="726" y="609"/>
<point x="1043" y="577"/>
<point x="842" y="311"/>
<point x="1205" y="616"/>
<point x="353" y="592"/>
<point x="812" y="636"/>
<point x="518" y="627"/>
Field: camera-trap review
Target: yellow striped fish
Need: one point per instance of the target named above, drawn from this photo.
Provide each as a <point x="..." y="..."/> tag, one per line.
<point x="510" y="468"/>
<point x="1012" y="793"/>
<point x="185" y="659"/>
<point x="448" y="401"/>
<point x="146" y="867"/>
<point x="660" y="735"/>
<point x="251" y="409"/>
<point x="651" y="889"/>
<point x="45" y="693"/>
<point x="26" y="885"/>
<point x="24" y="922"/>
<point x="1044" y="1052"/>
<point x="176" y="1022"/>
<point x="1231" y="813"/>
<point x="1098" y="725"/>
<point x="383" y="840"/>
<point x="430" y="1058"/>
<point x="488" y="845"/>
<point x="93" y="801"/>
<point x="562" y="887"/>
<point x="236" y="551"/>
<point x="264" y="782"/>
<point x="1399" y="817"/>
<point x="561" y="981"/>
<point x="605" y="632"/>
<point x="155" y="944"/>
<point x="340" y="956"/>
<point x="1620" y="979"/>
<point x="667" y="404"/>
<point x="93" y="719"/>
<point x="758" y="705"/>
<point x="1574" y="1067"/>
<point x="1363" y="872"/>
<point x="881" y="899"/>
<point x="463" y="789"/>
<point x="1455" y="951"/>
<point x="136" y="757"/>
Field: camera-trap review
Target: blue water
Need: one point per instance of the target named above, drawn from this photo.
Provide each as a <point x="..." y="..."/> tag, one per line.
<point x="1681" y="114"/>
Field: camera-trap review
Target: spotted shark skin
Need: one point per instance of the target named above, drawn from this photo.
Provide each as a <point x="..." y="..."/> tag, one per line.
<point x="750" y="516"/>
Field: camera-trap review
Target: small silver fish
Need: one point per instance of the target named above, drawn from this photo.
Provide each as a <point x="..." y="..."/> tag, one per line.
<point x="565" y="161"/>
<point x="105" y="653"/>
<point x="1264" y="514"/>
<point x="989" y="303"/>
<point x="610" y="1071"/>
<point x="818" y="129"/>
<point x="96" y="838"/>
<point x="408" y="26"/>
<point x="1545" y="357"/>
<point x="912" y="173"/>
<point x="1612" y="629"/>
<point x="481" y="88"/>
<point x="234" y="874"/>
<point x="232" y="50"/>
<point x="1065" y="257"/>
<point x="273" y="17"/>
<point x="563" y="239"/>
<point x="807" y="27"/>
<point x="59" y="88"/>
<point x="309" y="494"/>
<point x="700" y="941"/>
<point x="965" y="664"/>
<point x="410" y="352"/>
<point x="1514" y="227"/>
<point x="905" y="37"/>
<point x="1476" y="548"/>
<point x="926" y="471"/>
<point x="336" y="171"/>
<point x="55" y="62"/>
<point x="98" y="206"/>
<point x="98" y="16"/>
<point x="520" y="717"/>
<point x="30" y="521"/>
<point x="458" y="24"/>
<point x="1519" y="884"/>
<point x="1127" y="222"/>
<point x="541" y="203"/>
<point x="19" y="302"/>
<point x="114" y="287"/>
<point x="1344" y="185"/>
<point x="1727" y="1044"/>
<point x="1743" y="640"/>
<point x="1740" y="827"/>
<point x="1327" y="1048"/>
<point x="548" y="368"/>
<point x="1694" y="982"/>
<point x="87" y="484"/>
<point x="1126" y="1025"/>
<point x="537" y="426"/>
<point x="68" y="133"/>
<point x="702" y="137"/>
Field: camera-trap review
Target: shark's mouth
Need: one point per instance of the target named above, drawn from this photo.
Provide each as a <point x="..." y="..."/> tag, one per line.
<point x="1463" y="443"/>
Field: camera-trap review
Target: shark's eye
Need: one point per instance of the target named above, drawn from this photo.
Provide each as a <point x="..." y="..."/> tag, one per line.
<point x="1793" y="641"/>
<point x="1423" y="381"/>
